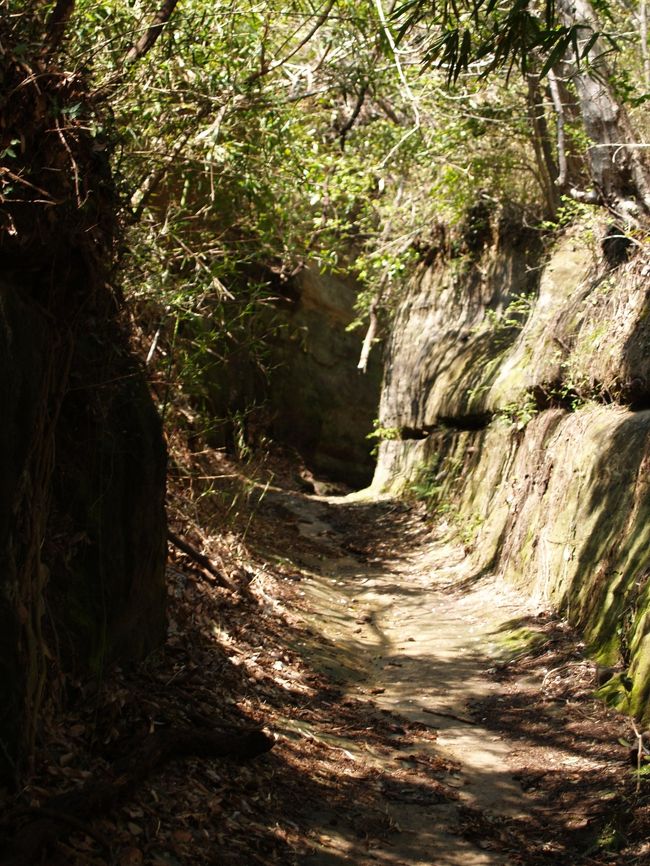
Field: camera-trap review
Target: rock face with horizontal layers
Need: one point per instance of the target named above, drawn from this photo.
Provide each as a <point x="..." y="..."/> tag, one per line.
<point x="444" y="352"/>
<point x="538" y="444"/>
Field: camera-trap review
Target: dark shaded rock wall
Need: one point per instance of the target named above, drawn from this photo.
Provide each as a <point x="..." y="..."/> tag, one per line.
<point x="22" y="362"/>
<point x="323" y="404"/>
<point x="82" y="459"/>
<point x="82" y="522"/>
<point x="107" y="583"/>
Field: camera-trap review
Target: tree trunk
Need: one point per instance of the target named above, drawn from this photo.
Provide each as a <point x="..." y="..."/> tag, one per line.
<point x="619" y="166"/>
<point x="549" y="177"/>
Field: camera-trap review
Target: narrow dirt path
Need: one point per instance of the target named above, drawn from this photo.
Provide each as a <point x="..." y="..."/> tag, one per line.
<point x="421" y="714"/>
<point x="443" y="760"/>
<point x="413" y="634"/>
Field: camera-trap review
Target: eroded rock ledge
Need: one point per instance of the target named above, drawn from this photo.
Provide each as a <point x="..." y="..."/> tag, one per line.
<point x="526" y="374"/>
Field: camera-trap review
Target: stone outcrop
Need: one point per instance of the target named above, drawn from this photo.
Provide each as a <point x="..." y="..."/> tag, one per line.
<point x="291" y="373"/>
<point x="531" y="427"/>
<point x="443" y="352"/>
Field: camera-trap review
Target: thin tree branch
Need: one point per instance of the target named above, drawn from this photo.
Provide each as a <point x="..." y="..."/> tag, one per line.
<point x="559" y="123"/>
<point x="149" y="38"/>
<point x="200" y="559"/>
<point x="645" y="50"/>
<point x="369" y="338"/>
<point x="347" y="126"/>
<point x="141" y="196"/>
<point x="266" y="69"/>
<point x="547" y="168"/>
<point x="373" y="321"/>
<point x="402" y="77"/>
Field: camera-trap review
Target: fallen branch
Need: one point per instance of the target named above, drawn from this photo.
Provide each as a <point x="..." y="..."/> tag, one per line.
<point x="453" y="716"/>
<point x="200" y="559"/>
<point x="71" y="810"/>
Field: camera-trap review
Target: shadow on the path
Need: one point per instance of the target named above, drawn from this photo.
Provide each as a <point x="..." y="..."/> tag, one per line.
<point x="386" y="535"/>
<point x="352" y="780"/>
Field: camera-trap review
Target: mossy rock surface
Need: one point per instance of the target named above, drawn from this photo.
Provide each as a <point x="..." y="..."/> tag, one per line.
<point x="529" y="451"/>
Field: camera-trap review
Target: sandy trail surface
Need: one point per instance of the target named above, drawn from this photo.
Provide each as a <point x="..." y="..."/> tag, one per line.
<point x="414" y="634"/>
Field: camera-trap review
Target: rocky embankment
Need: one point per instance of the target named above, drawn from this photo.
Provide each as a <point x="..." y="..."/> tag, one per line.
<point x="517" y="399"/>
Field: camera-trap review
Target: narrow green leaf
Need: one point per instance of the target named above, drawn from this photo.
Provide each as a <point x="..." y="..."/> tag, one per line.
<point x="590" y="44"/>
<point x="555" y="56"/>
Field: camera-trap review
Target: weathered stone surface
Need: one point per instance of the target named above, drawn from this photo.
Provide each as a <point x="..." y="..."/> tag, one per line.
<point x="536" y="359"/>
<point x="288" y="368"/>
<point x="457" y="352"/>
<point x="323" y="404"/>
<point x="610" y="351"/>
<point x="82" y="522"/>
<point x="587" y="333"/>
<point x="443" y="356"/>
<point x="578" y="529"/>
<point x="552" y="488"/>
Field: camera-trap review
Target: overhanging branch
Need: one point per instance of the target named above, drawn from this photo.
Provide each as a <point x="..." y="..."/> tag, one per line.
<point x="149" y="38"/>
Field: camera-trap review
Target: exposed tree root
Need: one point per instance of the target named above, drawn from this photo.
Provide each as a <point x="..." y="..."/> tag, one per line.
<point x="446" y="715"/>
<point x="69" y="811"/>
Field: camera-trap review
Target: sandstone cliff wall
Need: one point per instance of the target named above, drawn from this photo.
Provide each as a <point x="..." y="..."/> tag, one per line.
<point x="292" y="375"/>
<point x="530" y="426"/>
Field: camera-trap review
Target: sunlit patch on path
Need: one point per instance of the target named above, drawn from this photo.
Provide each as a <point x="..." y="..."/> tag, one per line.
<point x="409" y="632"/>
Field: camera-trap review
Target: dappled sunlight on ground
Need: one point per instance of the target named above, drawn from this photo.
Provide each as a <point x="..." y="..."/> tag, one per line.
<point x="403" y="627"/>
<point x="423" y="714"/>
